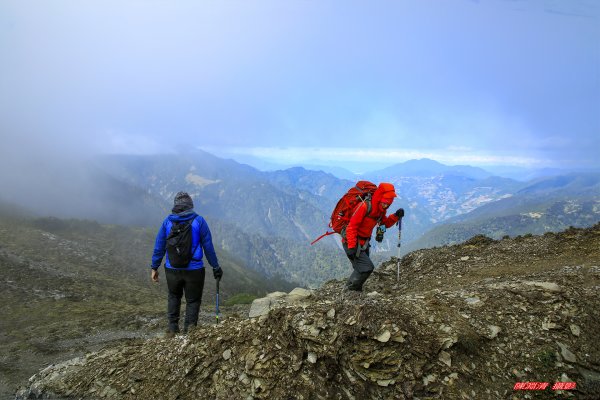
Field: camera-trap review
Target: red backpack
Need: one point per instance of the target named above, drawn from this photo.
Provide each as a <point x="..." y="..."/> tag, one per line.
<point x="347" y="205"/>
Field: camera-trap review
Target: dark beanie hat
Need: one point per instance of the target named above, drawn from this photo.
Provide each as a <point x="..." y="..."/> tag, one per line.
<point x="182" y="202"/>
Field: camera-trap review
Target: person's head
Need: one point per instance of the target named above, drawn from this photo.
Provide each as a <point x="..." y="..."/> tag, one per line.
<point x="386" y="194"/>
<point x="182" y="202"/>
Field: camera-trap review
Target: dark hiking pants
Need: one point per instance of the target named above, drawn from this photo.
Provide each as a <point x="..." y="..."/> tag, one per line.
<point x="363" y="267"/>
<point x="190" y="282"/>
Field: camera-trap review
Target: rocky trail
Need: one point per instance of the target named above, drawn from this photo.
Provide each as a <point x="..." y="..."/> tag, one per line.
<point x="463" y="322"/>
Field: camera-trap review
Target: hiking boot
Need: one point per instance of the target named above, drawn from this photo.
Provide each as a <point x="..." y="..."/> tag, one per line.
<point x="189" y="329"/>
<point x="170" y="334"/>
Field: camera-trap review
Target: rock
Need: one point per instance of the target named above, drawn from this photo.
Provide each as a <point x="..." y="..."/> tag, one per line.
<point x="399" y="338"/>
<point x="575" y="330"/>
<point x="298" y="294"/>
<point x="465" y="258"/>
<point x="429" y="378"/>
<point x="260" y="307"/>
<point x="384" y="337"/>
<point x="451" y="378"/>
<point x="385" y="382"/>
<point x="373" y="294"/>
<point x="472" y="300"/>
<point x="311" y="358"/>
<point x="494" y="331"/>
<point x="257" y="385"/>
<point x="244" y="378"/>
<point x="566" y="354"/>
<point x="227" y="354"/>
<point x="547" y="324"/>
<point x="445" y="358"/>
<point x="314" y="331"/>
<point x="565" y="378"/>
<point x="276" y="295"/>
<point x="448" y="342"/>
<point x="548" y="286"/>
<point x="331" y="313"/>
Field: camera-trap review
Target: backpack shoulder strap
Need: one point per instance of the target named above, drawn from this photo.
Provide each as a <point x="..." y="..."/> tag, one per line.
<point x="369" y="209"/>
<point x="367" y="201"/>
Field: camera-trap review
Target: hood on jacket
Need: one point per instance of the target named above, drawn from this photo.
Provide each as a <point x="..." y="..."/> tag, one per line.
<point x="182" y="202"/>
<point x="184" y="216"/>
<point x="385" y="193"/>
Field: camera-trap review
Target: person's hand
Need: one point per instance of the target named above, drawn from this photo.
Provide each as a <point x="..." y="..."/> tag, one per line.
<point x="351" y="253"/>
<point x="154" y="275"/>
<point x="218" y="273"/>
<point x="399" y="213"/>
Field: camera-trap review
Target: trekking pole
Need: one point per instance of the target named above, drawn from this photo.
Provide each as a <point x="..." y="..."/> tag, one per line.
<point x="399" y="238"/>
<point x="217" y="305"/>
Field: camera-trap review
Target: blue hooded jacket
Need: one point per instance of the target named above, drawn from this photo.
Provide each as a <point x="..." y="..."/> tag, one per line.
<point x="201" y="242"/>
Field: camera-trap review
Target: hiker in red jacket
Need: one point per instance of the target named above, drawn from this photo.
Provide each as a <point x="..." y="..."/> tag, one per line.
<point x="358" y="233"/>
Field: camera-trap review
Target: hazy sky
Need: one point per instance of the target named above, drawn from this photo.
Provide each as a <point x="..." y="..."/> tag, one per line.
<point x="462" y="81"/>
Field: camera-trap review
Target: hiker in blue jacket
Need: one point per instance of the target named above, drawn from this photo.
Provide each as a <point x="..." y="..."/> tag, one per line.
<point x="187" y="276"/>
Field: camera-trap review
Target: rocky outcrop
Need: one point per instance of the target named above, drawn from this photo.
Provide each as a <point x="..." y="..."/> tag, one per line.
<point x="275" y="300"/>
<point x="463" y="322"/>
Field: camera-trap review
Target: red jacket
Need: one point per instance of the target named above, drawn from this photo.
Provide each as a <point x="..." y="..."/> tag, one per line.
<point x="361" y="225"/>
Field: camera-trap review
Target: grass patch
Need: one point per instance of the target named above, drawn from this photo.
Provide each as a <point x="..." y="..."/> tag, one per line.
<point x="240" y="298"/>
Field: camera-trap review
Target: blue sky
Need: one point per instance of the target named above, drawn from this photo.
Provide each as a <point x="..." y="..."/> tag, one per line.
<point x="486" y="82"/>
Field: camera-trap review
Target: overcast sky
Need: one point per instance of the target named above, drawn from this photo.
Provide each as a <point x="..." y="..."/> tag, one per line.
<point x="461" y="81"/>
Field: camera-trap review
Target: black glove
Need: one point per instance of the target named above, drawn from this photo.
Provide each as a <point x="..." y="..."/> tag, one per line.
<point x="218" y="273"/>
<point x="399" y="212"/>
<point x="351" y="253"/>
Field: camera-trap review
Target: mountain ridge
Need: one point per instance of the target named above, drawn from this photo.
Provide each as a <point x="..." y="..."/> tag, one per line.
<point x="281" y="212"/>
<point x="463" y="321"/>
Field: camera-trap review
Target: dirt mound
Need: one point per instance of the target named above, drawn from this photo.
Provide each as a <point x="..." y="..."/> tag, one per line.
<point x="465" y="321"/>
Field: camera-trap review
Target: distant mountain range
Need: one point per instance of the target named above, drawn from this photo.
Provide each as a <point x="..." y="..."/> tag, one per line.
<point x="266" y="219"/>
<point x="545" y="205"/>
<point x="428" y="168"/>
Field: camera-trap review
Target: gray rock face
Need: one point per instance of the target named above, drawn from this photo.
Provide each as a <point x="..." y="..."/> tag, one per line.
<point x="262" y="306"/>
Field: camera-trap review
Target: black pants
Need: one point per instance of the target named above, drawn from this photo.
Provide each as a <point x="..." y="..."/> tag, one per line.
<point x="192" y="283"/>
<point x="363" y="267"/>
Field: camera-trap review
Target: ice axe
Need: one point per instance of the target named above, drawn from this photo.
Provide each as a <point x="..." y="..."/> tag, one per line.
<point x="398" y="258"/>
<point x="217" y="303"/>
